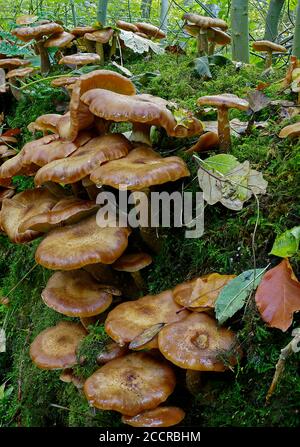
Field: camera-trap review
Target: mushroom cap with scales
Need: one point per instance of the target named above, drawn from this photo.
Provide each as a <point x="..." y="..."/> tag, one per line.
<point x="55" y="347"/>
<point x="130" y="384"/>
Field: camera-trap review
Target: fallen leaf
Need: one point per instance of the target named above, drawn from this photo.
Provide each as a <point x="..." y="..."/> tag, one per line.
<point x="278" y="296"/>
<point x="234" y="295"/>
<point x="258" y="100"/>
<point x="262" y="85"/>
<point x="146" y="336"/>
<point x="2" y="340"/>
<point x="138" y="44"/>
<point x="287" y="243"/>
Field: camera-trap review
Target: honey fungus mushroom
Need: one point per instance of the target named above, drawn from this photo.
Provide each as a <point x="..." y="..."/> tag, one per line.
<point x="133" y="263"/>
<point x="269" y="48"/>
<point x="128" y="320"/>
<point x="45" y="123"/>
<point x="130" y="384"/>
<point x="159" y="417"/>
<point x="126" y="26"/>
<point x="111" y="351"/>
<point x="290" y="131"/>
<point x="74" y="246"/>
<point x="80" y="59"/>
<point x="197" y="343"/>
<point x="100" y="38"/>
<point x="39" y="33"/>
<point x="151" y="31"/>
<point x="76" y="294"/>
<point x="223" y="103"/>
<point x="55" y="347"/>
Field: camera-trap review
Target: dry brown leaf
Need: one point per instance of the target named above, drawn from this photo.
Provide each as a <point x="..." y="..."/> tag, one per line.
<point x="278" y="296"/>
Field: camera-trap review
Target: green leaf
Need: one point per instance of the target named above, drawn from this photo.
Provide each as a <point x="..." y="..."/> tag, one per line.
<point x="221" y="163"/>
<point x="218" y="59"/>
<point x="234" y="295"/>
<point x="287" y="243"/>
<point x="201" y="65"/>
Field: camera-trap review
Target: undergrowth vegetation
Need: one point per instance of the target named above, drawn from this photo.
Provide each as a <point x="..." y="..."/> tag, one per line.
<point x="38" y="398"/>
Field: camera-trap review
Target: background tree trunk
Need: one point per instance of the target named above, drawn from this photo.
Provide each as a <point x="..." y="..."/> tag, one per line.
<point x="296" y="43"/>
<point x="102" y="11"/>
<point x="240" y="30"/>
<point x="146" y="9"/>
<point x="164" y="9"/>
<point x="272" y="19"/>
<point x="73" y="10"/>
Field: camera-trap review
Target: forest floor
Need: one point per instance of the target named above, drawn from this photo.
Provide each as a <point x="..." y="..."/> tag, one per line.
<point x="32" y="397"/>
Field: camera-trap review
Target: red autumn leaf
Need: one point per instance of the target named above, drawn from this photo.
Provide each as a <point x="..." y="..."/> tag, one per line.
<point x="11" y="132"/>
<point x="262" y="85"/>
<point x="278" y="296"/>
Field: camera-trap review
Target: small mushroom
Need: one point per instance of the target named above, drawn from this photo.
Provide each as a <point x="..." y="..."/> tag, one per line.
<point x="217" y="37"/>
<point x="76" y="294"/>
<point x="196" y="343"/>
<point x="128" y="320"/>
<point x="159" y="417"/>
<point x="65" y="81"/>
<point x="68" y="376"/>
<point x="130" y="384"/>
<point x="134" y="263"/>
<point x="45" y="123"/>
<point x="209" y="140"/>
<point x="223" y="103"/>
<point x="100" y="37"/>
<point x="79" y="33"/>
<point x="268" y="47"/>
<point x="55" y="347"/>
<point x="17" y="74"/>
<point x="80" y="59"/>
<point x="111" y="352"/>
<point x="290" y="131"/>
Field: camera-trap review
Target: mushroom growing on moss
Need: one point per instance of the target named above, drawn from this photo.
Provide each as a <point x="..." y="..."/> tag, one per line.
<point x="159" y="417"/>
<point x="223" y="103"/>
<point x="268" y="47"/>
<point x="134" y="263"/>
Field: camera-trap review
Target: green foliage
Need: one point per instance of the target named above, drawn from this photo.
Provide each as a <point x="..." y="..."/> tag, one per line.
<point x="287" y="243"/>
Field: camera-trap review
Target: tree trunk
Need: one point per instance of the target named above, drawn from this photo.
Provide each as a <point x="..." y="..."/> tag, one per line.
<point x="164" y="16"/>
<point x="146" y="8"/>
<point x="296" y="43"/>
<point x="240" y="30"/>
<point x="73" y="9"/>
<point x="272" y="19"/>
<point x="102" y="11"/>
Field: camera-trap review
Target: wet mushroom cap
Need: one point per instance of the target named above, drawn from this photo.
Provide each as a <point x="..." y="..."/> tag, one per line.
<point x="126" y="26"/>
<point x="79" y="31"/>
<point x="27" y="33"/>
<point x="130" y="384"/>
<point x="55" y="347"/>
<point x="132" y="262"/>
<point x="101" y="36"/>
<point x="196" y="343"/>
<point x="206" y="141"/>
<point x="44" y="123"/>
<point x="80" y="59"/>
<point x="204" y="21"/>
<point x="19" y="72"/>
<point x="225" y="100"/>
<point x="83" y="243"/>
<point x="159" y="417"/>
<point x="140" y="169"/>
<point x="84" y="160"/>
<point x="76" y="294"/>
<point x="13" y="62"/>
<point x="21" y="207"/>
<point x="128" y="320"/>
<point x="60" y="40"/>
<point x="150" y="30"/>
<point x="111" y="352"/>
<point x="291" y="131"/>
<point x="200" y="294"/>
<point x="266" y="45"/>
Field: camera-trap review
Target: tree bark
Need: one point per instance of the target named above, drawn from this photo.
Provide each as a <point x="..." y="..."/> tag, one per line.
<point x="240" y="30"/>
<point x="102" y="11"/>
<point x="73" y="9"/>
<point x="272" y="19"/>
<point x="164" y="9"/>
<point x="296" y="43"/>
<point x="146" y="8"/>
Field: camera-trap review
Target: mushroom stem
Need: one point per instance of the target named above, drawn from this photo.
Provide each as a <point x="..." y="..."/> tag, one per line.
<point x="16" y="92"/>
<point x="100" y="52"/>
<point x="92" y="191"/>
<point x="202" y="42"/>
<point x="224" y="129"/>
<point x="269" y="59"/>
<point x="139" y="281"/>
<point x="44" y="56"/>
<point x="193" y="381"/>
<point x="89" y="45"/>
<point x="141" y="133"/>
<point x="211" y="48"/>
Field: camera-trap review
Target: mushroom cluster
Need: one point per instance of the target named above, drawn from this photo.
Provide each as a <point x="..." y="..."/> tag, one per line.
<point x="142" y="29"/>
<point x="12" y="71"/>
<point x="7" y="151"/>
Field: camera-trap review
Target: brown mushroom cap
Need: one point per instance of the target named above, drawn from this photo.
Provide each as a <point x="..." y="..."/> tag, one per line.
<point x="206" y="141"/>
<point x="225" y="100"/>
<point x="22" y="206"/>
<point x="196" y="343"/>
<point x="200" y="294"/>
<point x="159" y="417"/>
<point x="44" y="123"/>
<point x="64" y="81"/>
<point x="111" y="352"/>
<point x="76" y="294"/>
<point x="205" y="22"/>
<point x="79" y="31"/>
<point x="142" y="35"/>
<point x="13" y="62"/>
<point x="27" y="33"/>
<point x="84" y="160"/>
<point x="218" y="36"/>
<point x="80" y="117"/>
<point x="132" y="262"/>
<point x="8" y="139"/>
<point x="141" y="168"/>
<point x="128" y="320"/>
<point x="266" y="45"/>
<point x="80" y="59"/>
<point x="150" y="30"/>
<point x="130" y="384"/>
<point x="102" y="35"/>
<point x="55" y="347"/>
<point x="6" y="193"/>
<point x="75" y="246"/>
<point x="6" y="151"/>
<point x="19" y="72"/>
<point x="60" y="40"/>
<point x="67" y="211"/>
<point x="291" y="131"/>
<point x="126" y="26"/>
<point x="26" y="19"/>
